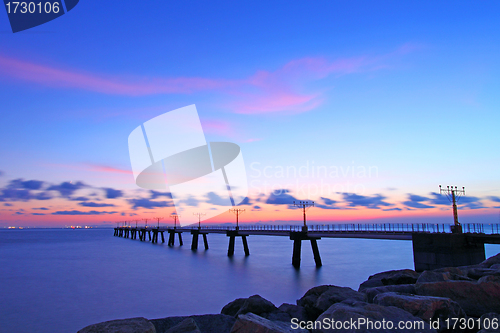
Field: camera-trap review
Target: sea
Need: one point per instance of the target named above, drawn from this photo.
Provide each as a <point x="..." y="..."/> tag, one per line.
<point x="61" y="280"/>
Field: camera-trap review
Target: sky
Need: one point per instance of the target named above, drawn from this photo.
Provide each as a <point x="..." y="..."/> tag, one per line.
<point x="364" y="107"/>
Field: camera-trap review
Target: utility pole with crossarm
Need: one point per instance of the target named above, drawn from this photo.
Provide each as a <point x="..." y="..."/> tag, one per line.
<point x="454" y="194"/>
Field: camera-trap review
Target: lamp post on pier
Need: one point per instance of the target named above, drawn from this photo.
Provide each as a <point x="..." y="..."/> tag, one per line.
<point x="305" y="205"/>
<point x="454" y="194"/>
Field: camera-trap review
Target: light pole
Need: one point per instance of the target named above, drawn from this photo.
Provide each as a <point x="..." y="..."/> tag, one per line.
<point x="175" y="217"/>
<point x="199" y="218"/>
<point x="454" y="195"/>
<point x="237" y="211"/>
<point x="304" y="205"/>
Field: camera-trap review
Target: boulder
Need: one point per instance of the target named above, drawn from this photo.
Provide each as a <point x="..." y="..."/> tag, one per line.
<point x="436" y="276"/>
<point x="358" y="312"/>
<point x="477" y="273"/>
<point x="400" y="289"/>
<point x="206" y="323"/>
<point x="495" y="260"/>
<point x="475" y="299"/>
<point x="318" y="299"/>
<point x="490" y="278"/>
<point x="254" y="304"/>
<point x="376" y="279"/>
<point x="295" y="311"/>
<point x="188" y="325"/>
<point x="425" y="307"/>
<point x="252" y="323"/>
<point x="490" y="320"/>
<point x="405" y="276"/>
<point x="132" y="325"/>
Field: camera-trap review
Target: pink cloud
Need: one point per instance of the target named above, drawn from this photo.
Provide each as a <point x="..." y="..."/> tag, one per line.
<point x="59" y="78"/>
<point x="281" y="90"/>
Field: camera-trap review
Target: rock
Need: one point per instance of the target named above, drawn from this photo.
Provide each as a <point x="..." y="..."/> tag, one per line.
<point x="188" y="325"/>
<point x="206" y="323"/>
<point x="318" y="299"/>
<point x="406" y="276"/>
<point x="254" y="304"/>
<point x="232" y="308"/>
<point x="490" y="278"/>
<point x="475" y="299"/>
<point x="295" y="311"/>
<point x="252" y="323"/>
<point x="132" y="325"/>
<point x="495" y="260"/>
<point x="477" y="273"/>
<point x="492" y="320"/>
<point x="278" y="316"/>
<point x="451" y="270"/>
<point x="495" y="266"/>
<point x="401" y="289"/>
<point x="425" y="307"/>
<point x="433" y="276"/>
<point x="376" y="279"/>
<point x="343" y="312"/>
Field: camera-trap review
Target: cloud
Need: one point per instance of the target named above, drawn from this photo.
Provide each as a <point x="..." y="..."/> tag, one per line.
<point x="149" y="204"/>
<point x="79" y="199"/>
<point x="95" y="204"/>
<point x="112" y="193"/>
<point x="415" y="201"/>
<point x="373" y="202"/>
<point x="21" y="190"/>
<point x="256" y="207"/>
<point x="28" y="184"/>
<point x="281" y="197"/>
<point x="245" y="202"/>
<point x="77" y="212"/>
<point x="327" y="204"/>
<point x="439" y="199"/>
<point x="156" y="194"/>
<point x="2" y="173"/>
<point x="265" y="91"/>
<point x="392" y="209"/>
<point x="8" y="204"/>
<point x="41" y="208"/>
<point x="37" y="214"/>
<point x="494" y="198"/>
<point x="470" y="202"/>
<point x="66" y="189"/>
<point x="414" y="204"/>
<point x="191" y="201"/>
<point x="215" y="199"/>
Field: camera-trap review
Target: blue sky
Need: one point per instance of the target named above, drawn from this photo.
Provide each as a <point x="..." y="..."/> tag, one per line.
<point x="408" y="88"/>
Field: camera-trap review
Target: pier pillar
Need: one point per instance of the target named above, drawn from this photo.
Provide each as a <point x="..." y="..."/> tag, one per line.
<point x="180" y="239"/>
<point x="194" y="242"/>
<point x="232" y="234"/>
<point x="205" y="241"/>
<point x="162" y="237"/>
<point x="432" y="251"/>
<point x="245" y="245"/>
<point x="230" y="249"/>
<point x="298" y="237"/>
<point x="171" y="238"/>
<point x="149" y="234"/>
<point x="317" y="258"/>
<point x="297" y="244"/>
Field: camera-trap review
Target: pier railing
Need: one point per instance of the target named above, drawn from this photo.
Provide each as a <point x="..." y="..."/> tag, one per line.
<point x="361" y="227"/>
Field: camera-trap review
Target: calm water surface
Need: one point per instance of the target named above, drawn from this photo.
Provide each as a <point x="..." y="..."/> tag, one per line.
<point x="60" y="280"/>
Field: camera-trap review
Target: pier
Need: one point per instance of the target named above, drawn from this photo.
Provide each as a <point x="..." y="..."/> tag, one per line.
<point x="434" y="245"/>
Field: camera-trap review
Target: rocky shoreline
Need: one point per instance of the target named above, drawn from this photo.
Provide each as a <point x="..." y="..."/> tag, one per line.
<point x="466" y="297"/>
